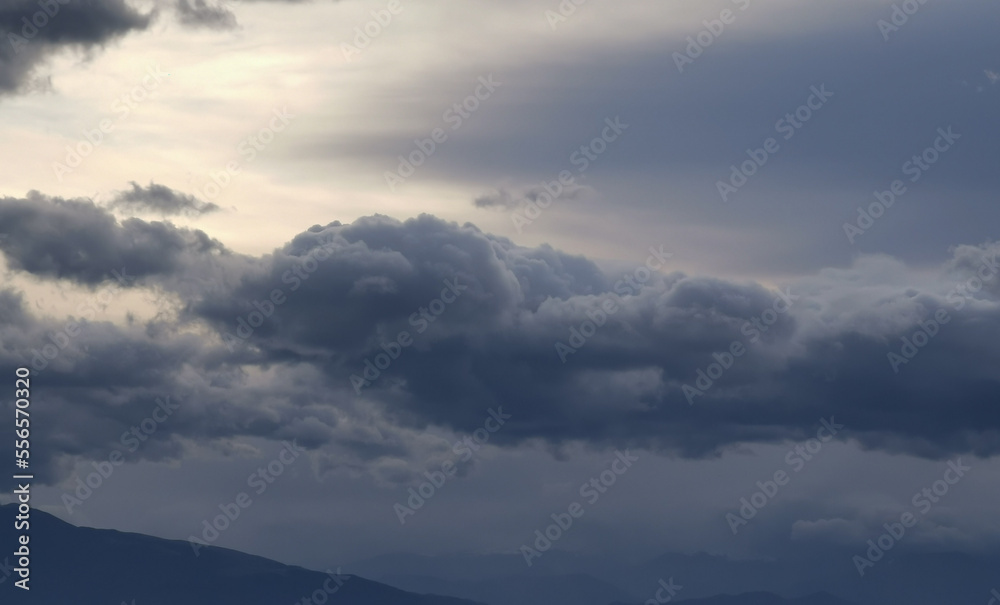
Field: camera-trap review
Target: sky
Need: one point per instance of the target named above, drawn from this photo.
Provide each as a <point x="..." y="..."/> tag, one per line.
<point x="487" y="249"/>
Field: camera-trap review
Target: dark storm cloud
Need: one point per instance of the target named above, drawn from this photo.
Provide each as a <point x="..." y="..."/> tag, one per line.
<point x="496" y="346"/>
<point x="77" y="240"/>
<point x="198" y="13"/>
<point x="31" y="31"/>
<point x="101" y="380"/>
<point x="347" y="289"/>
<point x="92" y="370"/>
<point x="160" y="199"/>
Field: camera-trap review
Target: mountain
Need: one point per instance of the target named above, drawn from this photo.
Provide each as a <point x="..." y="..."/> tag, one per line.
<point x="767" y="598"/>
<point x="85" y="566"/>
<point x="499" y="579"/>
<point x="913" y="578"/>
<point x="578" y="589"/>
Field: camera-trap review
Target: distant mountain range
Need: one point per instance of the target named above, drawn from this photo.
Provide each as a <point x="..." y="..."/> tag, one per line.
<point x="767" y="598"/>
<point x="562" y="578"/>
<point x="579" y="589"/>
<point x="83" y="566"/>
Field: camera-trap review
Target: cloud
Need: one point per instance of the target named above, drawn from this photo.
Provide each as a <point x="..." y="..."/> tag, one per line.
<point x="348" y="289"/>
<point x="198" y="13"/>
<point x="687" y="132"/>
<point x="31" y="35"/>
<point x="160" y="199"/>
<point x="79" y="241"/>
<point x="509" y="199"/>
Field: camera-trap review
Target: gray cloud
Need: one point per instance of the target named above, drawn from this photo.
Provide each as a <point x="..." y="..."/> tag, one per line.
<point x="198" y="13"/>
<point x="31" y="34"/>
<point x="509" y="199"/>
<point x="77" y="240"/>
<point x="160" y="199"/>
<point x="349" y="288"/>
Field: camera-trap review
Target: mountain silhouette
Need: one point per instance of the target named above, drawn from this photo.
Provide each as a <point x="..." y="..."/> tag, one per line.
<point x="85" y="566"/>
<point x="767" y="598"/>
<point x="566" y="578"/>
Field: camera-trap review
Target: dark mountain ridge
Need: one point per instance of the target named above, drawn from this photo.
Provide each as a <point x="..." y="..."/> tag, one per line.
<point x="86" y="566"/>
